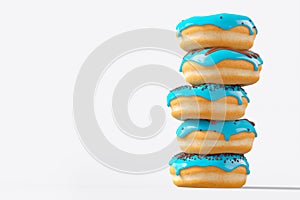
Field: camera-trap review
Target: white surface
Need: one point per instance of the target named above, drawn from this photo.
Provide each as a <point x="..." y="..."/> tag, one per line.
<point x="43" y="45"/>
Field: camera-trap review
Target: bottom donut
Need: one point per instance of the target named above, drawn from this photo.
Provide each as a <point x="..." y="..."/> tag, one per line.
<point x="209" y="171"/>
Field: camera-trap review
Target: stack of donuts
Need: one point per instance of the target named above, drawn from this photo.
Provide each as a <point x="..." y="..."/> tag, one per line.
<point x="212" y="137"/>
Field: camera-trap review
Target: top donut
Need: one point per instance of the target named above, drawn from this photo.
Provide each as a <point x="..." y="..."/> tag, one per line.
<point x="220" y="30"/>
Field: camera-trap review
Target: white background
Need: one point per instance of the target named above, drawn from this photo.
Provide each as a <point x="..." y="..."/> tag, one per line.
<point x="44" y="43"/>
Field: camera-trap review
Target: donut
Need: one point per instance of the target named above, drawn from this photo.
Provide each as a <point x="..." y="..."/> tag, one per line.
<point x="214" y="171"/>
<point x="208" y="101"/>
<point x="221" y="30"/>
<point x="214" y="137"/>
<point x="222" y="66"/>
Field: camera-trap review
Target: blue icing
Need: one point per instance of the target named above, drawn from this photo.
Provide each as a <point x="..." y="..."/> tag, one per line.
<point x="224" y="21"/>
<point x="209" y="59"/>
<point x="211" y="92"/>
<point x="226" y="162"/>
<point x="227" y="128"/>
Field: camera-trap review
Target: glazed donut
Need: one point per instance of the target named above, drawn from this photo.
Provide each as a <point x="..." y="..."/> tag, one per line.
<point x="216" y="171"/>
<point x="208" y="101"/>
<point x="213" y="137"/>
<point x="221" y="30"/>
<point x="221" y="65"/>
